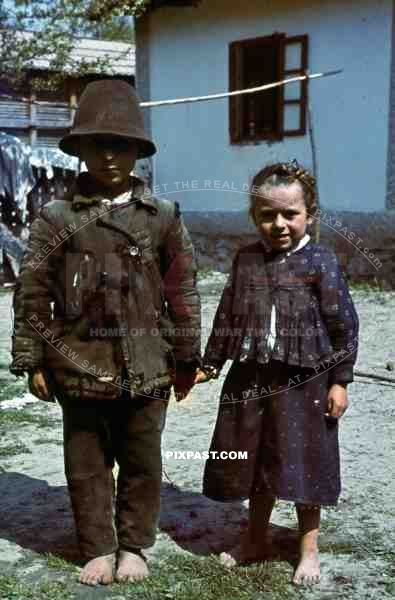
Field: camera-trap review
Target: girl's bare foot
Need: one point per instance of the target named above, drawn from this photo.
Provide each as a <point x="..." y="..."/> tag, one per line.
<point x="231" y="559"/>
<point x="98" y="570"/>
<point x="308" y="569"/>
<point x="255" y="544"/>
<point x="243" y="553"/>
<point x="131" y="567"/>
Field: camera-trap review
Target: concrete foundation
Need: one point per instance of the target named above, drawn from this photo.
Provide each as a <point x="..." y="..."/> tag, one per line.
<point x="364" y="242"/>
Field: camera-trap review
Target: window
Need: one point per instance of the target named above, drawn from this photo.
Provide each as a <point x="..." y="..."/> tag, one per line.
<point x="270" y="114"/>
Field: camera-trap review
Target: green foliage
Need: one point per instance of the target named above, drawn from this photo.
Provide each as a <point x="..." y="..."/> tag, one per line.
<point x="14" y="450"/>
<point x="51" y="27"/>
<point x="12" y="589"/>
<point x="18" y="418"/>
<point x="119" y="29"/>
<point x="182" y="577"/>
<point x="11" y="389"/>
<point x="60" y="564"/>
<point x="101" y="9"/>
<point x="178" y="577"/>
<point x="46" y="441"/>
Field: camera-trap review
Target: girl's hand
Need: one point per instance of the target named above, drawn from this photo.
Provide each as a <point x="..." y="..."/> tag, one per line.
<point x="184" y="382"/>
<point x="201" y="376"/>
<point x="337" y="401"/>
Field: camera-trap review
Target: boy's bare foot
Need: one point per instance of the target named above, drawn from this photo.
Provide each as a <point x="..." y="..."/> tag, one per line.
<point x="131" y="567"/>
<point x="308" y="569"/>
<point x="98" y="570"/>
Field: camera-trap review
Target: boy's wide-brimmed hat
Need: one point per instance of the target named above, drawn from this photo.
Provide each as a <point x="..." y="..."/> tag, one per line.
<point x="110" y="107"/>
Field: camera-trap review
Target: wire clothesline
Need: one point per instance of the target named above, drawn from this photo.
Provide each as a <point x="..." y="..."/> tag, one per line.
<point x="218" y="96"/>
<point x="253" y="90"/>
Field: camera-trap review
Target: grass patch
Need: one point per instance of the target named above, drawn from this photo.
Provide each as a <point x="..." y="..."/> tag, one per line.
<point x="14" y="450"/>
<point x="373" y="290"/>
<point x="204" y="271"/>
<point x="11" y="389"/>
<point x="390" y="587"/>
<point x="366" y="286"/>
<point x="342" y="548"/>
<point x="181" y="577"/>
<point x="17" y="417"/>
<point x="60" y="564"/>
<point x="4" y="291"/>
<point x="178" y="577"/>
<point x="12" y="589"/>
<point x="371" y="543"/>
<point x="43" y="422"/>
<point x="43" y="441"/>
<point x="24" y="417"/>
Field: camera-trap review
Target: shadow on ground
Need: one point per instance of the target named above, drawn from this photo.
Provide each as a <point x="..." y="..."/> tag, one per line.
<point x="203" y="526"/>
<point x="37" y="517"/>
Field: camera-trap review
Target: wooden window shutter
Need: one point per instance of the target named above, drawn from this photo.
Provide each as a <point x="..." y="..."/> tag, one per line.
<point x="294" y="95"/>
<point x="280" y="40"/>
<point x="235" y="83"/>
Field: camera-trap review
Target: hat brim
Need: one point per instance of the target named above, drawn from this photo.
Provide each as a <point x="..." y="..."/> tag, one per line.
<point x="70" y="143"/>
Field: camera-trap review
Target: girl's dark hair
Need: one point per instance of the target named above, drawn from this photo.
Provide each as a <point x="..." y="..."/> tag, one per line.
<point x="286" y="174"/>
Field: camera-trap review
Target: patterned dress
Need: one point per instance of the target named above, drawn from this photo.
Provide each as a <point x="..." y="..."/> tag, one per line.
<point x="274" y="398"/>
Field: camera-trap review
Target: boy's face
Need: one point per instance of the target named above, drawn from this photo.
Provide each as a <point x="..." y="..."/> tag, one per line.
<point x="281" y="216"/>
<point x="109" y="160"/>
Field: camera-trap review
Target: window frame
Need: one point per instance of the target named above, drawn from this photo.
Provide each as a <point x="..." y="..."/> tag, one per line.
<point x="236" y="77"/>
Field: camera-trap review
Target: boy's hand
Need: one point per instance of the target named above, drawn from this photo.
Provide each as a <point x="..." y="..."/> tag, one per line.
<point x="38" y="385"/>
<point x="201" y="376"/>
<point x="184" y="381"/>
<point x="337" y="401"/>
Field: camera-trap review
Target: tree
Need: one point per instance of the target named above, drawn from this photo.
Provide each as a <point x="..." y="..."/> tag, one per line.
<point x="119" y="29"/>
<point x="51" y="27"/>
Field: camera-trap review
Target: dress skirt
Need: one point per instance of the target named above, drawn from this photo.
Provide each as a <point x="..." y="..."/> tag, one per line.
<point x="276" y="414"/>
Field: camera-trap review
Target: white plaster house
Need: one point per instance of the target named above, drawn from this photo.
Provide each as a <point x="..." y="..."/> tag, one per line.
<point x="187" y="48"/>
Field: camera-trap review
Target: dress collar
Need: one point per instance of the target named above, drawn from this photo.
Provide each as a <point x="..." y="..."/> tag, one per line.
<point x="301" y="244"/>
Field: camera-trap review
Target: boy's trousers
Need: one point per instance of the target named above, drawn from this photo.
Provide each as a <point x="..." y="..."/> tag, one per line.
<point x="95" y="434"/>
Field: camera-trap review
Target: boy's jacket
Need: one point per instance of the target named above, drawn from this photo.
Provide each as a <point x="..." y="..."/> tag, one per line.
<point x="106" y="288"/>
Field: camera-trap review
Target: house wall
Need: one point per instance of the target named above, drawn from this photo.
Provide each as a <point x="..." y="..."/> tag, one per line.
<point x="188" y="56"/>
<point x="391" y="144"/>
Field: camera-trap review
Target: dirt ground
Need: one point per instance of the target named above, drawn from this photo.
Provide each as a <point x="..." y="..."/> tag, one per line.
<point x="357" y="537"/>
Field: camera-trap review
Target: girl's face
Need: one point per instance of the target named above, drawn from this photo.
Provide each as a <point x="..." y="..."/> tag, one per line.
<point x="280" y="216"/>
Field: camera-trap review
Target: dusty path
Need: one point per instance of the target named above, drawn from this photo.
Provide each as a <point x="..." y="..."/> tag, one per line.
<point x="357" y="537"/>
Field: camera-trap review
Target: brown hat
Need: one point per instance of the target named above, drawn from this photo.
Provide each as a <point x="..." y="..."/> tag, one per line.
<point x="110" y="107"/>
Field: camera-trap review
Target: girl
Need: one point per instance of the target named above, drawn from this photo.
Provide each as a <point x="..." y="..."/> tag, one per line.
<point x="287" y="320"/>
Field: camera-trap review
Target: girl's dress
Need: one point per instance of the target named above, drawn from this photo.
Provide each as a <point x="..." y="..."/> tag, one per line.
<point x="288" y="322"/>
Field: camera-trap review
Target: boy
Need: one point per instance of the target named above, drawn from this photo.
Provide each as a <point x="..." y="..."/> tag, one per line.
<point x="104" y="273"/>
